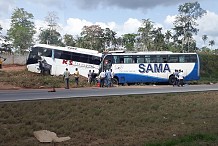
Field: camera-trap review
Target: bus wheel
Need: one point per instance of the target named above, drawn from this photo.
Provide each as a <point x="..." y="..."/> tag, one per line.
<point x="171" y="80"/>
<point x="115" y="81"/>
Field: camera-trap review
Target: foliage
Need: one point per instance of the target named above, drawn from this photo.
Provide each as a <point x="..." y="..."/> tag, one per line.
<point x="129" y="41"/>
<point x="109" y="38"/>
<point x="208" y="67"/>
<point x="185" y="23"/>
<point x="145" y="34"/>
<point x="22" y="29"/>
<point x="69" y="40"/>
<point x="93" y="37"/>
<point x="49" y="36"/>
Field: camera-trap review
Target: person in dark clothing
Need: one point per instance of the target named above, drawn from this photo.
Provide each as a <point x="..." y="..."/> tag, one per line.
<point x="93" y="77"/>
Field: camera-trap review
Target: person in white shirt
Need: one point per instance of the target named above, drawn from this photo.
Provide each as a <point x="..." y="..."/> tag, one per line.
<point x="181" y="78"/>
<point x="102" y="78"/>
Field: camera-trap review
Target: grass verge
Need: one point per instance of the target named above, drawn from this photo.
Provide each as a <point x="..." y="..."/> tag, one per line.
<point x="162" y="119"/>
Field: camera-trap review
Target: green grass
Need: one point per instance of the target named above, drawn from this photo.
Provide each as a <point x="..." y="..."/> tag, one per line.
<point x="162" y="119"/>
<point x="190" y="140"/>
<point x="25" y="79"/>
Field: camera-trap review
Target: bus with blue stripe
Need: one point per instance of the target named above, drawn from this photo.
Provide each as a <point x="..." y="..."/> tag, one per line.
<point x="151" y="67"/>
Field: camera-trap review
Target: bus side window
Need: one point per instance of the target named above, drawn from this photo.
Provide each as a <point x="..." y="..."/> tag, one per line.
<point x="147" y="59"/>
<point x="121" y="60"/>
<point x="57" y="54"/>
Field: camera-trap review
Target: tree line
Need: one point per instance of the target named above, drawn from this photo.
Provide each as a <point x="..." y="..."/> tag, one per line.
<point x="148" y="38"/>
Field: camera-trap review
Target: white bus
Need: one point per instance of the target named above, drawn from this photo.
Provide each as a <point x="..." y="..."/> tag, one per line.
<point x="54" y="60"/>
<point x="148" y="67"/>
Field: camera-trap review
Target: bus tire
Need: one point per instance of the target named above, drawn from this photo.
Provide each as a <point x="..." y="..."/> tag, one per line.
<point x="171" y="79"/>
<point x="115" y="81"/>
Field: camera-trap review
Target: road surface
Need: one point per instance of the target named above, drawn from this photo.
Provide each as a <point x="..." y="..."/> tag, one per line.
<point x="36" y="94"/>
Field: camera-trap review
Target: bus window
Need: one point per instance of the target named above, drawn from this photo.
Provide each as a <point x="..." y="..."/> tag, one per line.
<point x="46" y="52"/>
<point x="57" y="54"/>
<point x="182" y="59"/>
<point x="94" y="60"/>
<point x="153" y="59"/>
<point x="116" y="59"/>
<point x="83" y="58"/>
<point x="192" y="58"/>
<point x="173" y="58"/>
<point x="161" y="59"/>
<point x="121" y="60"/>
<point x="140" y="59"/>
<point x="128" y="59"/>
<point x="147" y="59"/>
<point x="65" y="55"/>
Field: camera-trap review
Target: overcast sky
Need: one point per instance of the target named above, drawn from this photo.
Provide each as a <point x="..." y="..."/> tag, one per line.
<point x="122" y="16"/>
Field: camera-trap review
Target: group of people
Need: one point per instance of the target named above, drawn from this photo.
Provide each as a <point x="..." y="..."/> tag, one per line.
<point x="66" y="77"/>
<point x="105" y="78"/>
<point x="92" y="77"/>
<point x="178" y="78"/>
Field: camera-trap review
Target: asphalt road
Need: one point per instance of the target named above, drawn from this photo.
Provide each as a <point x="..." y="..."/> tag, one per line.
<point x="36" y="94"/>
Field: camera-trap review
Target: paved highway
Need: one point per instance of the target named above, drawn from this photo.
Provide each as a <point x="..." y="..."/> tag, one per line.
<point x="36" y="94"/>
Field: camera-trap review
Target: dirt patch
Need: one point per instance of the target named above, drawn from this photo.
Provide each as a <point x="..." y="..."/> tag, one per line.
<point x="8" y="68"/>
<point x="13" y="67"/>
<point x="4" y="86"/>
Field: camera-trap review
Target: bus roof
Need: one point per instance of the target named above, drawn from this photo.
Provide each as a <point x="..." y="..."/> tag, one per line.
<point x="70" y="49"/>
<point x="149" y="53"/>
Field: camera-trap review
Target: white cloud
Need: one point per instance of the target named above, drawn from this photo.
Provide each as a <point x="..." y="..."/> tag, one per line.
<point x="208" y="26"/>
<point x="130" y="26"/>
<point x="74" y="26"/>
<point x="6" y="6"/>
<point x="5" y="24"/>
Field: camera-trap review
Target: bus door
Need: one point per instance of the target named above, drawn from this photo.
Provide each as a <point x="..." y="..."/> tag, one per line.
<point x="107" y="62"/>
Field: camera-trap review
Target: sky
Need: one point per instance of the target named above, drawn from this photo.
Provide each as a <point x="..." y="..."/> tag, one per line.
<point x="121" y="16"/>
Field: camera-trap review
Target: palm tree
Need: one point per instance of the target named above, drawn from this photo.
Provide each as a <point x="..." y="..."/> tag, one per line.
<point x="204" y="38"/>
<point x="211" y="43"/>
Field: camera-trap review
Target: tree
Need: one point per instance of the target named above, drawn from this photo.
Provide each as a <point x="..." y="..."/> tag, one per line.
<point x="109" y="38"/>
<point x="51" y="34"/>
<point x="204" y="38"/>
<point x="211" y="43"/>
<point x="145" y="33"/>
<point x="69" y="40"/>
<point x="22" y="29"/>
<point x="129" y="41"/>
<point x="159" y="43"/>
<point x="185" y="23"/>
<point x="48" y="36"/>
<point x="93" y="37"/>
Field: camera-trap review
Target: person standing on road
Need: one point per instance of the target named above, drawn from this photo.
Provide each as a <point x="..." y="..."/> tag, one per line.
<point x="175" y="74"/>
<point x="93" y="79"/>
<point x="66" y="78"/>
<point x="102" y="78"/>
<point x="181" y="78"/>
<point x="109" y="77"/>
<point x="76" y="74"/>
